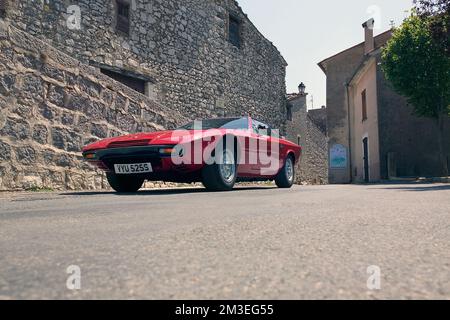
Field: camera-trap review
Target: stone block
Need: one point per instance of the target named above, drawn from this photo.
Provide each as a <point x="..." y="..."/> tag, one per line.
<point x="99" y="130"/>
<point x="24" y="111"/>
<point x="68" y="118"/>
<point x="49" y="156"/>
<point x="56" y="95"/>
<point x="29" y="61"/>
<point x="7" y="82"/>
<point x="134" y="109"/>
<point x="26" y="155"/>
<point x="40" y="133"/>
<point x="17" y="128"/>
<point x="126" y="122"/>
<point x="107" y="96"/>
<point x="48" y="112"/>
<point x="64" y="160"/>
<point x="59" y="138"/>
<point x="89" y="87"/>
<point x="77" y="102"/>
<point x="95" y="110"/>
<point x="31" y="182"/>
<point x="120" y="102"/>
<point x="5" y="151"/>
<point x="32" y="87"/>
<point x="52" y="72"/>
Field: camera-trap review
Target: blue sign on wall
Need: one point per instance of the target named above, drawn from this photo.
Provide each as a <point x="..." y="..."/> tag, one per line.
<point x="338" y="157"/>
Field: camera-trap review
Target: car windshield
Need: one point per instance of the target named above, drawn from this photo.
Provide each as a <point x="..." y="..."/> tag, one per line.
<point x="230" y="123"/>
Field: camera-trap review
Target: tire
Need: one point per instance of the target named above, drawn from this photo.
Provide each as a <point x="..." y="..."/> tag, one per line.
<point x="285" y="178"/>
<point x="221" y="175"/>
<point x="124" y="184"/>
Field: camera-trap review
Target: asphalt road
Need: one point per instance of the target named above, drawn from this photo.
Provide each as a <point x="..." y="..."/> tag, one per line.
<point x="312" y="242"/>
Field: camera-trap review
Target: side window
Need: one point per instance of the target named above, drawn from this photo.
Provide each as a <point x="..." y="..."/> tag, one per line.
<point x="255" y="126"/>
<point x="237" y="124"/>
<point x="261" y="128"/>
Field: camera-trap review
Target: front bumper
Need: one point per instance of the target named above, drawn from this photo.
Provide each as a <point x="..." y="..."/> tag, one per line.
<point x="163" y="167"/>
<point x="112" y="156"/>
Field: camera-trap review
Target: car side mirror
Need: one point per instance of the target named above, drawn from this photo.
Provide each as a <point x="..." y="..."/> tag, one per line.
<point x="264" y="128"/>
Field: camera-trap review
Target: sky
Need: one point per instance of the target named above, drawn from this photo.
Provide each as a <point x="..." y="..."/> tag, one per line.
<point x="307" y="32"/>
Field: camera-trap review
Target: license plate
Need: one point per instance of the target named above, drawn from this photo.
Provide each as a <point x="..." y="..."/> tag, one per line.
<point x="133" y="168"/>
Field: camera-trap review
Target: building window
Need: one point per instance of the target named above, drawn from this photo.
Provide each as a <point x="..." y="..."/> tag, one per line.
<point x="134" y="83"/>
<point x="364" y="105"/>
<point x="289" y="112"/>
<point x="123" y="16"/>
<point x="3" y="7"/>
<point x="234" y="31"/>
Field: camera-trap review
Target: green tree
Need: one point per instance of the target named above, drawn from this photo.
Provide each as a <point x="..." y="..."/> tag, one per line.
<point x="438" y="11"/>
<point x="419" y="68"/>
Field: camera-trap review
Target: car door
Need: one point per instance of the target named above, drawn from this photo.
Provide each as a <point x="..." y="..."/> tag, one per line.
<point x="243" y="135"/>
<point x="261" y="148"/>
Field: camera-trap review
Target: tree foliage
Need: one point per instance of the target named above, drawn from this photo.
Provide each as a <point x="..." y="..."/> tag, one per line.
<point x="438" y="11"/>
<point x="417" y="63"/>
<point x="418" y="68"/>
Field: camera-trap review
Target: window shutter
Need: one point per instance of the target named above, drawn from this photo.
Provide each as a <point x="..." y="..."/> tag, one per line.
<point x="234" y="31"/>
<point x="364" y="105"/>
<point x="3" y="7"/>
<point x="289" y="112"/>
<point x="123" y="17"/>
<point x="123" y="24"/>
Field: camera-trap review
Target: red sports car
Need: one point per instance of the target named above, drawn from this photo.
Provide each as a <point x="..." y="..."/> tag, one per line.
<point x="216" y="152"/>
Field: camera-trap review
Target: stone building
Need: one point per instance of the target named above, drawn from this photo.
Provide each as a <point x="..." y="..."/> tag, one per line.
<point x="199" y="57"/>
<point x="319" y="117"/>
<point x="73" y="72"/>
<point x="303" y="129"/>
<point x="372" y="131"/>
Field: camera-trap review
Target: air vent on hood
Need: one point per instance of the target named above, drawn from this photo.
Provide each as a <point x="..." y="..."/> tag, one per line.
<point x="132" y="143"/>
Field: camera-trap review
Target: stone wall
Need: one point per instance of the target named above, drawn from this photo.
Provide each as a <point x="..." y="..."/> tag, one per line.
<point x="319" y="117"/>
<point x="182" y="46"/>
<point x="313" y="167"/>
<point x="54" y="98"/>
<point x="51" y="105"/>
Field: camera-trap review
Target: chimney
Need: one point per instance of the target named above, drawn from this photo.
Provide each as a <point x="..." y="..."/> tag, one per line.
<point x="369" y="40"/>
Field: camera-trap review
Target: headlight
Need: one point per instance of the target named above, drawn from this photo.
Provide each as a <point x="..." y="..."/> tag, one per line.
<point x="89" y="156"/>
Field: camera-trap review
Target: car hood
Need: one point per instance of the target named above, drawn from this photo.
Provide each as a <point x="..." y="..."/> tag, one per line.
<point x="171" y="137"/>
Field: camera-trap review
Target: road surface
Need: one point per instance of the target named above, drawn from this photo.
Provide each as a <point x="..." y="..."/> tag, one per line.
<point x="311" y="242"/>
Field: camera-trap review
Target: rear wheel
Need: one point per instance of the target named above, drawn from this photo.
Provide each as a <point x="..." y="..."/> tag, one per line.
<point x="124" y="183"/>
<point x="286" y="176"/>
<point x="221" y="176"/>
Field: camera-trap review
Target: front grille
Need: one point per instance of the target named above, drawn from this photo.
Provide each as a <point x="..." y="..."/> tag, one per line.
<point x="125" y="144"/>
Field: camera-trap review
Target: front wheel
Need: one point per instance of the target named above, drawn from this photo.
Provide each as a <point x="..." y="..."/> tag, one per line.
<point x="286" y="176"/>
<point x="124" y="184"/>
<point x="221" y="176"/>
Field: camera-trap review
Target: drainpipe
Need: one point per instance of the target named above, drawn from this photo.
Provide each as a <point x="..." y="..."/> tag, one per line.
<point x="347" y="86"/>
